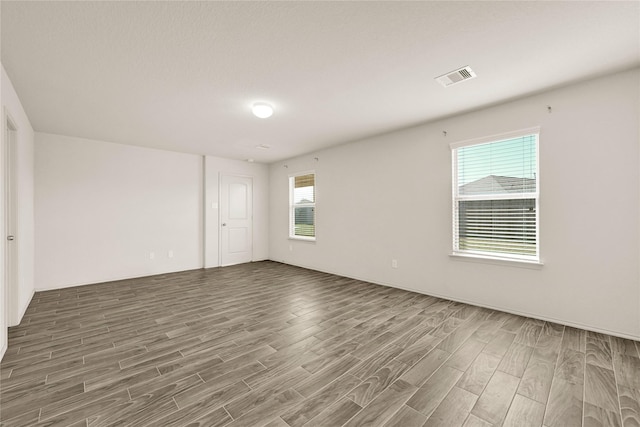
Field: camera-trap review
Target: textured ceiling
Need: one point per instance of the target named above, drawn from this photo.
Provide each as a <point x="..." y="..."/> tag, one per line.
<point x="182" y="75"/>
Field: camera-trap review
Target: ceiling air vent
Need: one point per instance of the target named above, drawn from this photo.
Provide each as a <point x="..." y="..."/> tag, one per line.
<point x="456" y="76"/>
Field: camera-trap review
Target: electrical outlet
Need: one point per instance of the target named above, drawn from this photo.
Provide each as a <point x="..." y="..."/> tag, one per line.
<point x="152" y="255"/>
<point x="170" y="254"/>
<point x="290" y="248"/>
<point x="394" y="263"/>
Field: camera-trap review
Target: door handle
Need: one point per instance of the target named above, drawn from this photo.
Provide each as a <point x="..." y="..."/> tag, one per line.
<point x="11" y="238"/>
<point x="224" y="224"/>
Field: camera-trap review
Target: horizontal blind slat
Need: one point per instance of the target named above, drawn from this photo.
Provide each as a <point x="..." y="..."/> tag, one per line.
<point x="495" y="190"/>
<point x="302" y="208"/>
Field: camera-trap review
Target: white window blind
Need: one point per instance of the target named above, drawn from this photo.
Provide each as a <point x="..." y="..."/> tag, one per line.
<point x="495" y="197"/>
<point x="302" y="206"/>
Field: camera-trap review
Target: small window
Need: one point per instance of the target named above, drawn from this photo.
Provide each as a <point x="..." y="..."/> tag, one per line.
<point x="302" y="206"/>
<point x="495" y="197"/>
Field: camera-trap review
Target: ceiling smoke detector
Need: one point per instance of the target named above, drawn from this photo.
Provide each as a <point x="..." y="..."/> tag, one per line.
<point x="457" y="76"/>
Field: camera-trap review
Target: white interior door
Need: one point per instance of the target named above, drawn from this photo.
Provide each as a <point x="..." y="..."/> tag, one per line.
<point x="10" y="223"/>
<point x="236" y="219"/>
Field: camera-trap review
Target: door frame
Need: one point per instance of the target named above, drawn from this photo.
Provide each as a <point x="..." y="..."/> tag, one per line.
<point x="220" y="208"/>
<point x="10" y="216"/>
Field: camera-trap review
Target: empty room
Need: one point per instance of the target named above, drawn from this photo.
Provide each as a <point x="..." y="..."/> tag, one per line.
<point x="323" y="213"/>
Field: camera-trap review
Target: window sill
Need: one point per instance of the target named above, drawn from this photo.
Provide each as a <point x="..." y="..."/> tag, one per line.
<point x="484" y="259"/>
<point x="303" y="239"/>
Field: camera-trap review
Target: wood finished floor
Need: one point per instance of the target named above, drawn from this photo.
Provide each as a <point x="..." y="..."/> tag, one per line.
<point x="270" y="344"/>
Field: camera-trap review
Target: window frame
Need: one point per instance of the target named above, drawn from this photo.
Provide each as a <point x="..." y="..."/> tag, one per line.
<point x="293" y="206"/>
<point x="456" y="198"/>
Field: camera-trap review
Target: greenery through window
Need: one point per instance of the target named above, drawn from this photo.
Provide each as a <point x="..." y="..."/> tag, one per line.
<point x="302" y="206"/>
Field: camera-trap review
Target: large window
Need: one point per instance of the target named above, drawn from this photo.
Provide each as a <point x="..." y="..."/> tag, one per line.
<point x="302" y="206"/>
<point x="495" y="196"/>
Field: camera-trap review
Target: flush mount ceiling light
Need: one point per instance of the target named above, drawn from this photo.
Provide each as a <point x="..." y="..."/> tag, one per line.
<point x="262" y="110"/>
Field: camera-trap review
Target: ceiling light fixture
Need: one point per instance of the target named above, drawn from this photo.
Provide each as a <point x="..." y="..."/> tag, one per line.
<point x="262" y="110"/>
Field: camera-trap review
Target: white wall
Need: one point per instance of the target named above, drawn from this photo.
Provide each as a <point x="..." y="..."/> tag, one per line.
<point x="214" y="167"/>
<point x="389" y="197"/>
<point x="102" y="208"/>
<point x="25" y="228"/>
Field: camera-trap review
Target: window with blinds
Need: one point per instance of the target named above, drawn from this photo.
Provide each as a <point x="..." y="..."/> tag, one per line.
<point x="495" y="196"/>
<point x="302" y="206"/>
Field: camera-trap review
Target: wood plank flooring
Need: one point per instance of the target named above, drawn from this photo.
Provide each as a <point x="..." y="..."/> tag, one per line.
<point x="266" y="344"/>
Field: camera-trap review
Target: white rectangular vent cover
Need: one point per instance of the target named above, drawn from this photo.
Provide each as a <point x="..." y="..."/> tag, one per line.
<point x="457" y="76"/>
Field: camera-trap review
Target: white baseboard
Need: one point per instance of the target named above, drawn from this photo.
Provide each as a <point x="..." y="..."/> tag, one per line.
<point x="23" y="310"/>
<point x="119" y="278"/>
<point x="115" y="279"/>
<point x="492" y="307"/>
